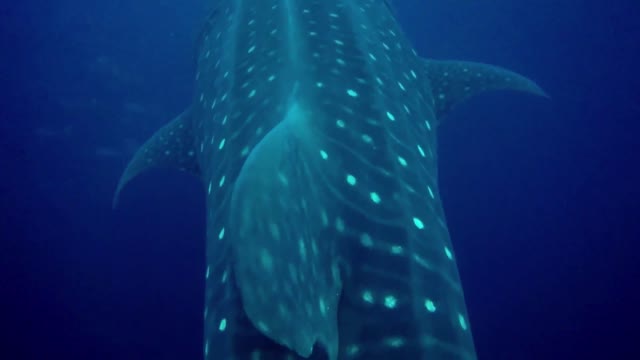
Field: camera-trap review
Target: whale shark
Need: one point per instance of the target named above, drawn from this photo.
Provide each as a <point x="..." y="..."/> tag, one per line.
<point x="313" y="129"/>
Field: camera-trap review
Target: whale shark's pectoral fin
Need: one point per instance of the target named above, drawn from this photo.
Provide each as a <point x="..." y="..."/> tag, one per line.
<point x="286" y="266"/>
<point x="171" y="147"/>
<point x="452" y="82"/>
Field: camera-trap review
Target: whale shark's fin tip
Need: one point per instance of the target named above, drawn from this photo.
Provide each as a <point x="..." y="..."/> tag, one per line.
<point x="171" y="147"/>
<point x="452" y="82"/>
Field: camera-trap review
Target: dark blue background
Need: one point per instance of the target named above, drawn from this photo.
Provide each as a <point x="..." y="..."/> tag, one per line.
<point x="541" y="196"/>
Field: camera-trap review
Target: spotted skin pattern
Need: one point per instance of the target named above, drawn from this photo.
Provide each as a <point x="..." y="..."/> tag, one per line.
<point x="313" y="129"/>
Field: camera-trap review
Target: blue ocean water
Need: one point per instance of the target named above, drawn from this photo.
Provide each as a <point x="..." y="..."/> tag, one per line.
<point x="541" y="196"/>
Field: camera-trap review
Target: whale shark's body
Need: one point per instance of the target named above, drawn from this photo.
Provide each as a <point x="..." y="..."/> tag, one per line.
<point x="313" y="129"/>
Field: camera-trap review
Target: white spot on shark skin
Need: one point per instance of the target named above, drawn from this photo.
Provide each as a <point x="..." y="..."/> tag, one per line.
<point x="421" y="151"/>
<point x="352" y="93"/>
<point x="221" y="234"/>
<point x="263" y="327"/>
<point x="394" y="342"/>
<point x="274" y="230"/>
<point x="431" y="307"/>
<point x="223" y="324"/>
<point x="283" y="179"/>
<point x="352" y="350"/>
<point x="448" y="253"/>
<point x="367" y="296"/>
<point x="324" y="217"/>
<point x="266" y="260"/>
<point x="462" y="321"/>
<point x="418" y="223"/>
<point x="390" y="302"/>
<point x="323" y="306"/>
<point x="351" y="180"/>
<point x="366" y="241"/>
<point x="390" y="116"/>
<point x="302" y="249"/>
<point x="397" y="250"/>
